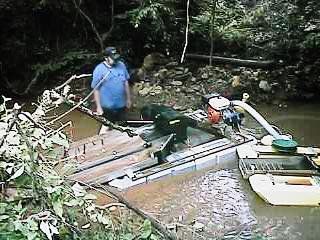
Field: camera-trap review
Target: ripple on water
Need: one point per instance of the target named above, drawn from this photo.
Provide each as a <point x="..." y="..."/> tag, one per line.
<point x="225" y="204"/>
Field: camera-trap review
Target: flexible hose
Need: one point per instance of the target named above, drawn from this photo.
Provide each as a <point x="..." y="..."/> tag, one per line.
<point x="259" y="118"/>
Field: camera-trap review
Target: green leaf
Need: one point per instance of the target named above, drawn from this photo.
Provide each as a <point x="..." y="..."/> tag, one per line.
<point x="57" y="139"/>
<point x="3" y="207"/>
<point x="103" y="219"/>
<point x="32" y="225"/>
<point x="72" y="203"/>
<point x="78" y="190"/>
<point x="18" y="226"/>
<point x="128" y="236"/>
<point x="17" y="173"/>
<point x="86" y="226"/>
<point x="153" y="237"/>
<point x="32" y="235"/>
<point x="38" y="133"/>
<point x="146" y="229"/>
<point x="57" y="207"/>
<point x="3" y="217"/>
<point x="45" y="228"/>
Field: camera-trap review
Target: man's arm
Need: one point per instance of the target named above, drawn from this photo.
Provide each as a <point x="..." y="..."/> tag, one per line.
<point x="96" y="95"/>
<point x="128" y="95"/>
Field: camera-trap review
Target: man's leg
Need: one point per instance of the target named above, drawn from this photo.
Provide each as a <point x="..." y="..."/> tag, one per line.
<point x="110" y="115"/>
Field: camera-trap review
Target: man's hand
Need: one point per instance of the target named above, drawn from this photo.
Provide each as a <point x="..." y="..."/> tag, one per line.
<point x="99" y="111"/>
<point x="128" y="104"/>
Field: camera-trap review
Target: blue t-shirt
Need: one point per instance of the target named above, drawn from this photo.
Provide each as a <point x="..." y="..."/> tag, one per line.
<point x="112" y="90"/>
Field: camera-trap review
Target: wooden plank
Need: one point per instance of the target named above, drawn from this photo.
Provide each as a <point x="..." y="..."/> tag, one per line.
<point x="116" y="146"/>
<point x="109" y="158"/>
<point x="110" y="171"/>
<point x="93" y="144"/>
<point x="124" y="171"/>
<point x="100" y="176"/>
<point x="108" y="168"/>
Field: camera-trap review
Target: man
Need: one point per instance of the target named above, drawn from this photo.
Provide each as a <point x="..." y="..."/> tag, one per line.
<point x="112" y="97"/>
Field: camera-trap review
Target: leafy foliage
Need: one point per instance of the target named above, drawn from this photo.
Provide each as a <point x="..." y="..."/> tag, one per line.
<point x="278" y="26"/>
<point x="71" y="61"/>
<point x="153" y="18"/>
<point x="37" y="202"/>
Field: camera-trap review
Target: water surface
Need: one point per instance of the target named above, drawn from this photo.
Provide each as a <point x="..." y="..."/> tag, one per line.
<point x="225" y="204"/>
<point x="220" y="199"/>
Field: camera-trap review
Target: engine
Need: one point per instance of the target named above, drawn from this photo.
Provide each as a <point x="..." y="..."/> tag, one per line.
<point x="220" y="110"/>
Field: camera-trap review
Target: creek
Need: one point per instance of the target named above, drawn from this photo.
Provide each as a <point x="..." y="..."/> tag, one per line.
<point x="220" y="199"/>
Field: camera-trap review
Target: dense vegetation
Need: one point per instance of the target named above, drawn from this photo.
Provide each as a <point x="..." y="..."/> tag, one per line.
<point x="36" y="200"/>
<point x="45" y="39"/>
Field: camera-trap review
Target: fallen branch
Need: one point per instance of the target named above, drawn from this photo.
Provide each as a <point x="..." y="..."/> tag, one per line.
<point x="104" y="121"/>
<point x="32" y="82"/>
<point x="33" y="121"/>
<point x="155" y="223"/>
<point x="111" y="205"/>
<point x="82" y="101"/>
<point x="68" y="124"/>
<point x="108" y="191"/>
<point x="71" y="79"/>
<point x="11" y="124"/>
<point x="235" y="61"/>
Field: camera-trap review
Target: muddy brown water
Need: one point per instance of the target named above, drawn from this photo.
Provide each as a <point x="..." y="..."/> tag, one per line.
<point x="220" y="199"/>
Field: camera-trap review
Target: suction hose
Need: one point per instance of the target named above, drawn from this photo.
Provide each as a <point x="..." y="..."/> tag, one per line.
<point x="259" y="119"/>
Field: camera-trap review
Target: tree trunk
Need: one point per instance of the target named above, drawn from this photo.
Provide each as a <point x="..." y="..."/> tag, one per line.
<point x="233" y="61"/>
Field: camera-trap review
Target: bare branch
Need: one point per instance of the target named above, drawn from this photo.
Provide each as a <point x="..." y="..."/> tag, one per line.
<point x="213" y="16"/>
<point x="32" y="82"/>
<point x="82" y="101"/>
<point x="107" y="34"/>
<point x="187" y="31"/>
<point x="10" y="126"/>
<point x="71" y="79"/>
<point x="91" y="23"/>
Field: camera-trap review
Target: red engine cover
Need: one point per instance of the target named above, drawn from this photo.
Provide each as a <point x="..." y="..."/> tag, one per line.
<point x="213" y="115"/>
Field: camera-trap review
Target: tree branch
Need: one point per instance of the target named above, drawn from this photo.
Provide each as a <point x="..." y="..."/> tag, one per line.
<point x="187" y="31"/>
<point x="107" y="34"/>
<point x="110" y="192"/>
<point x="82" y="101"/>
<point x="92" y="25"/>
<point x="235" y="61"/>
<point x="71" y="79"/>
<point x="10" y="126"/>
<point x="213" y="16"/>
<point x="32" y="82"/>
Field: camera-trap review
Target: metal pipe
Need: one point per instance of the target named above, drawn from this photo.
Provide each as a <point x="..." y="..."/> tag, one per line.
<point x="259" y="118"/>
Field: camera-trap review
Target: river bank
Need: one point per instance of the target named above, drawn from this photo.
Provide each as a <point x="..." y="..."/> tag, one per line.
<point x="182" y="85"/>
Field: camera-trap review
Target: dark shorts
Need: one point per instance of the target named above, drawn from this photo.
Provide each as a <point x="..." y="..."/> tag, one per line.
<point x="115" y="115"/>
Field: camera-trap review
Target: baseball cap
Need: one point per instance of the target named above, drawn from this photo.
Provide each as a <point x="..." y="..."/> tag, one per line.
<point x="112" y="53"/>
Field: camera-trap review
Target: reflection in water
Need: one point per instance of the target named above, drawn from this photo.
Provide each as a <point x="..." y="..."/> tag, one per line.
<point x="301" y="121"/>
